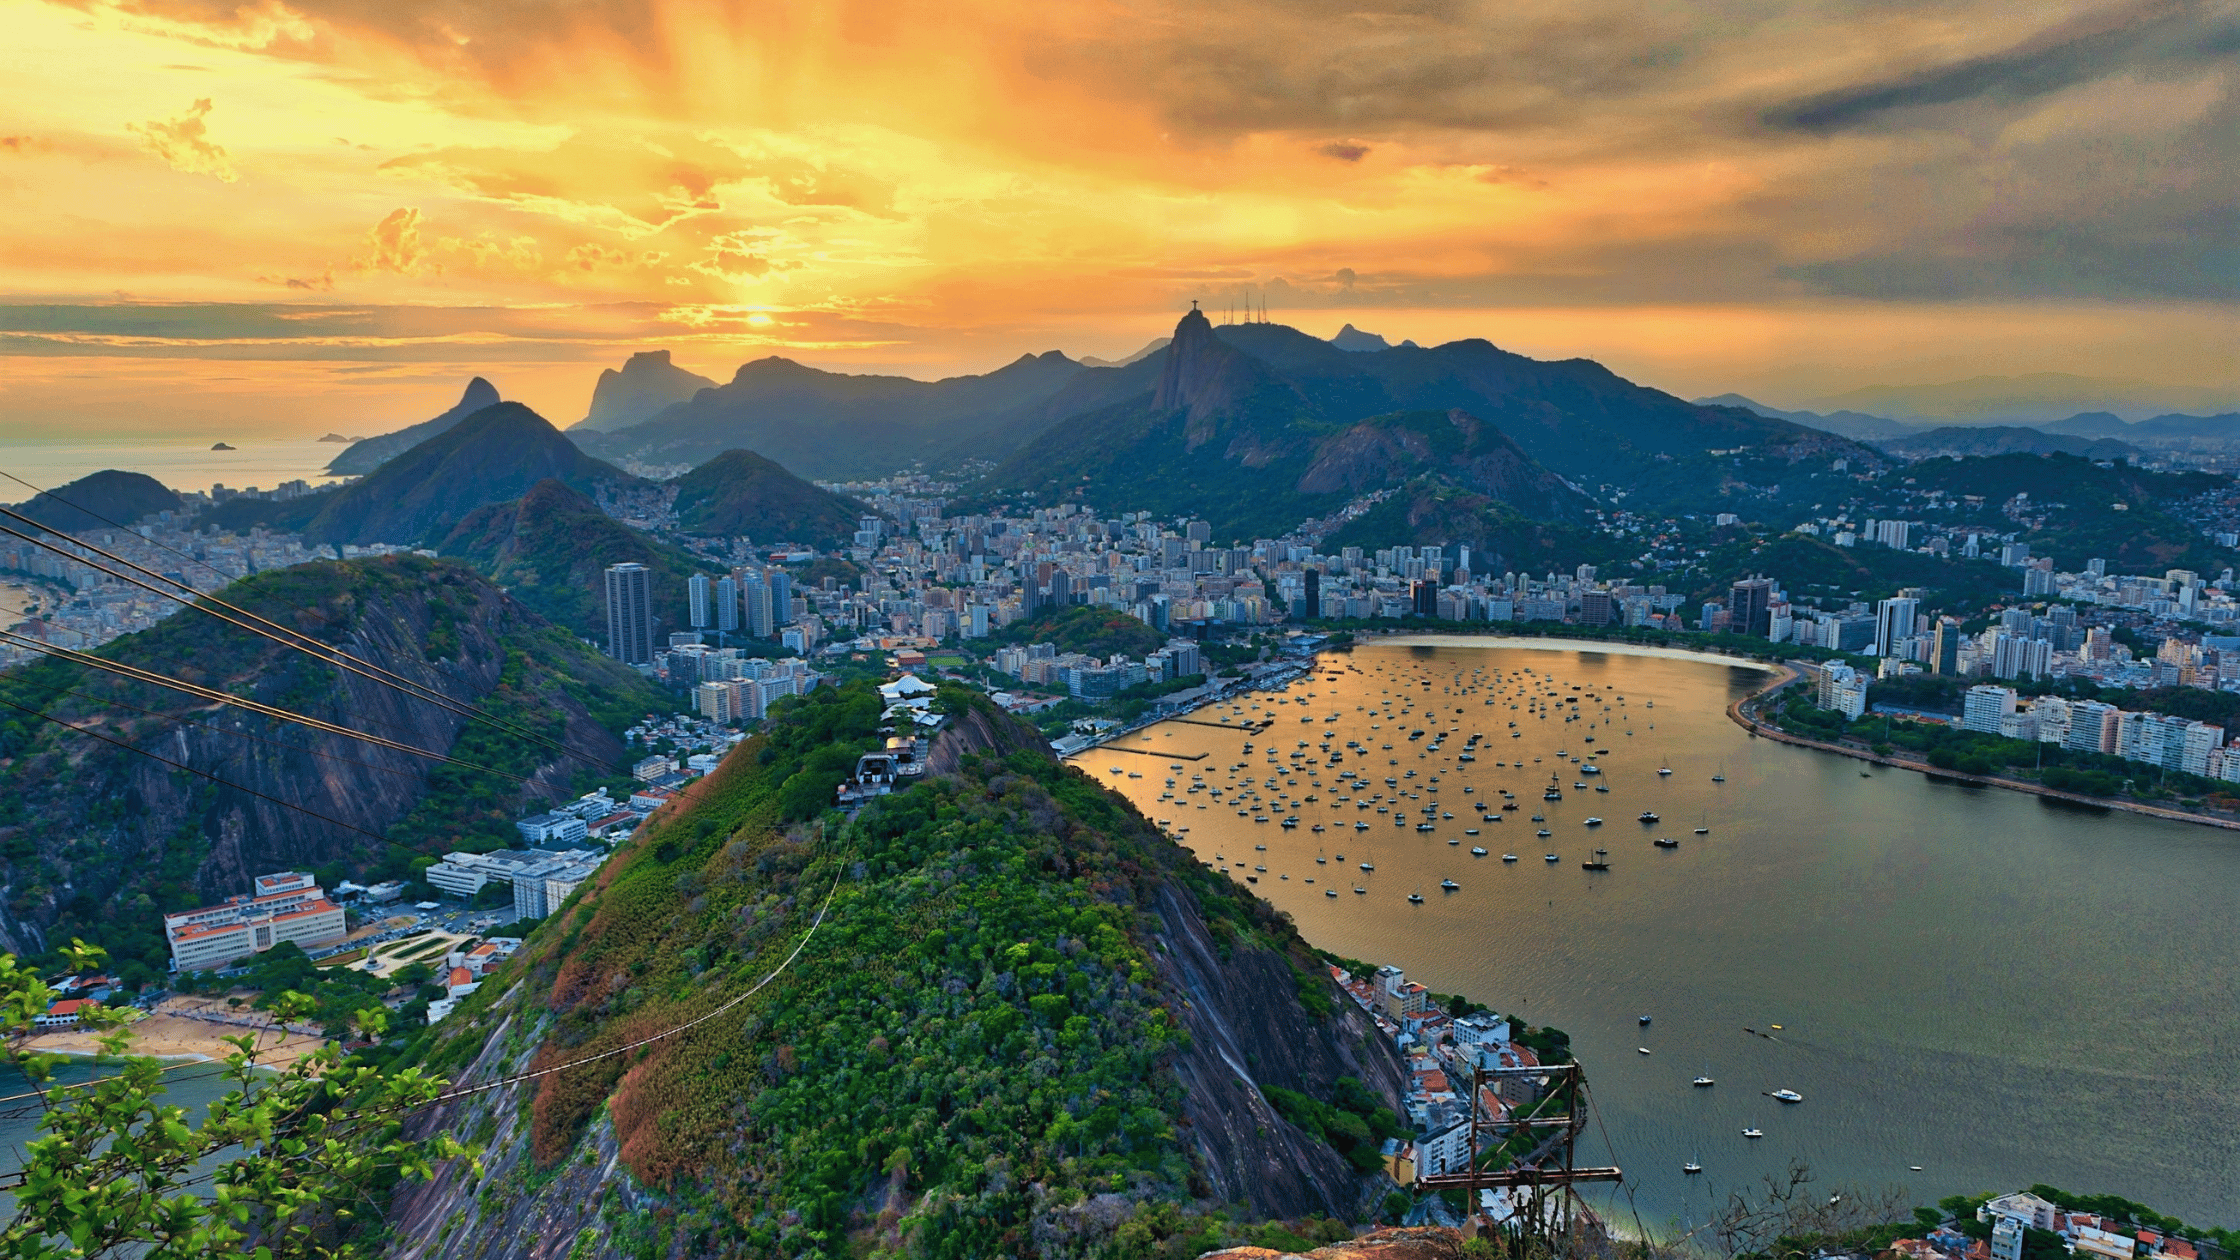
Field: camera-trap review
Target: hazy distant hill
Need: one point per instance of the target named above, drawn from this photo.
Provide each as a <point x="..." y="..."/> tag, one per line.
<point x="494" y="455"/>
<point x="1351" y="338"/>
<point x="122" y="497"/>
<point x="647" y="384"/>
<point x="829" y="424"/>
<point x="1236" y="417"/>
<point x="1156" y="345"/>
<point x="550" y="547"/>
<point x="741" y="494"/>
<point x="1856" y="425"/>
<point x="363" y="457"/>
<point x="2000" y="439"/>
<point x="2033" y="398"/>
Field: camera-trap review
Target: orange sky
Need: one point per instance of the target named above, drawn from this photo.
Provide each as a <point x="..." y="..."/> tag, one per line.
<point x="296" y="217"/>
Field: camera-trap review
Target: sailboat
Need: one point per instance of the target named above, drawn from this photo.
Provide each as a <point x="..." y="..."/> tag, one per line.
<point x="1599" y="862"/>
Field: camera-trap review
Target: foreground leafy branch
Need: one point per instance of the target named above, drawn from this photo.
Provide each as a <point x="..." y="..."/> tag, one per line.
<point x="282" y="1165"/>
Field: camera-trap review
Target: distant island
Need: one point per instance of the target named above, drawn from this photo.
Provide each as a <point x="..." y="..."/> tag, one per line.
<point x="336" y="437"/>
<point x="221" y="447"/>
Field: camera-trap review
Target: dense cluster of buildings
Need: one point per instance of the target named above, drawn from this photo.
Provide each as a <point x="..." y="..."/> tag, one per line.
<point x="1079" y="674"/>
<point x="2085" y="1235"/>
<point x="2157" y="739"/>
<point x="83" y="607"/>
<point x="541" y="879"/>
<point x="1441" y="1053"/>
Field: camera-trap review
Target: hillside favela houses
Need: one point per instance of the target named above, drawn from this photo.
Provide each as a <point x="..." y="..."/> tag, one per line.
<point x="286" y="906"/>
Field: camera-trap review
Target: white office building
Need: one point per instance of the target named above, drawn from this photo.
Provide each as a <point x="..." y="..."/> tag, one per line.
<point x="287" y="906"/>
<point x="1983" y="707"/>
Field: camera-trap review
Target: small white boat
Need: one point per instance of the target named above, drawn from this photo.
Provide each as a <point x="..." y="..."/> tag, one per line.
<point x="1753" y="1133"/>
<point x="1449" y="885"/>
<point x="1691" y="1168"/>
<point x="1703" y="1082"/>
<point x="1703" y="831"/>
<point x="1786" y="1095"/>
<point x="1508" y="857"/>
<point x="1642" y="1049"/>
<point x="1553" y="858"/>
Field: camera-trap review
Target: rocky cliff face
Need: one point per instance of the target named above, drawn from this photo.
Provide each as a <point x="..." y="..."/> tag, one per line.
<point x="1247" y="1030"/>
<point x="100" y="840"/>
<point x="647" y="384"/>
<point x="1455" y="445"/>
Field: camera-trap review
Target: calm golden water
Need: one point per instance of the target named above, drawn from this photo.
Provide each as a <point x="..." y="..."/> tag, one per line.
<point x="1997" y="989"/>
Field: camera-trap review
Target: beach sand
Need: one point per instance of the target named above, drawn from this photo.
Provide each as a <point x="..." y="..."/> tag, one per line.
<point x="192" y="1028"/>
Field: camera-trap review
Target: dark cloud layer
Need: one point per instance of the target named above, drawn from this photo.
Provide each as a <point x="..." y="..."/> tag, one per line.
<point x="2156" y="36"/>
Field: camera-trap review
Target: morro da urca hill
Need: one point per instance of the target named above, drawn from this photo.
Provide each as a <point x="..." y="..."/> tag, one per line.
<point x="367" y="454"/>
<point x="491" y="456"/>
<point x="101" y="840"/>
<point x="740" y="494"/>
<point x="1026" y="1016"/>
<point x="550" y="547"/>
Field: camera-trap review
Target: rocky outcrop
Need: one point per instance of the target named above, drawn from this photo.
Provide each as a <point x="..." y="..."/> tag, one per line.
<point x="982" y="729"/>
<point x="1207" y="379"/>
<point x="509" y="1210"/>
<point x="367" y="454"/>
<point x="1247" y="1029"/>
<point x="647" y="384"/>
<point x="1456" y="445"/>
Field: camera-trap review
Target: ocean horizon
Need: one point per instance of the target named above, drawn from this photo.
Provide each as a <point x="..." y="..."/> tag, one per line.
<point x="178" y="463"/>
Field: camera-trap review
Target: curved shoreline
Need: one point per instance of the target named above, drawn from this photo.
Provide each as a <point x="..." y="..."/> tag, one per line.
<point x="1790" y="675"/>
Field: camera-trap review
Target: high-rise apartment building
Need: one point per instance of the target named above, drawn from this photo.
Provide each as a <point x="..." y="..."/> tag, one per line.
<point x="700" y="595"/>
<point x="727" y="604"/>
<point x="1945" y="654"/>
<point x="1750" y="606"/>
<point x="630" y="613"/>
<point x="1893" y="624"/>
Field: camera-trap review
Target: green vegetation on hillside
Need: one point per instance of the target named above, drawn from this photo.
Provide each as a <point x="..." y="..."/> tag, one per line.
<point x="975" y="1035"/>
<point x="99" y="843"/>
<point x="1809" y="567"/>
<point x="740" y="494"/>
<point x="1434" y="511"/>
<point x="1088" y="629"/>
<point x="551" y="548"/>
<point x="2077" y="500"/>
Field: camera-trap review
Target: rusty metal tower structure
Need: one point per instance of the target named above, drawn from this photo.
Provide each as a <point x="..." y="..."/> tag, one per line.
<point x="1544" y="1169"/>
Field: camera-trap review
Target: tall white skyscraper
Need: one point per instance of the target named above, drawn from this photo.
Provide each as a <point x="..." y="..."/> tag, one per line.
<point x="727" y="604"/>
<point x="1893" y="624"/>
<point x="701" y="597"/>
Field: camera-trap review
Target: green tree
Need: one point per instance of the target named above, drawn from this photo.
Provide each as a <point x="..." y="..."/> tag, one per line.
<point x="116" y="1172"/>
